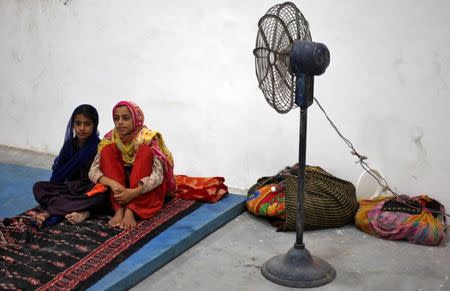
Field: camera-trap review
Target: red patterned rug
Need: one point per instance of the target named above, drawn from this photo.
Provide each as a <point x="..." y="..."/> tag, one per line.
<point x="65" y="256"/>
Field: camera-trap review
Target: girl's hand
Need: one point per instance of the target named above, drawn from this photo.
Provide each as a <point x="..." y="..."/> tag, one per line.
<point x="125" y="196"/>
<point x="116" y="187"/>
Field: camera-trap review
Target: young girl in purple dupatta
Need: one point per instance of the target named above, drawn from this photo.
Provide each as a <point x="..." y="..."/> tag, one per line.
<point x="64" y="196"/>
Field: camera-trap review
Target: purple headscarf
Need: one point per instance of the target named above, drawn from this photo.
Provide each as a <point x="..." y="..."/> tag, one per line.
<point x="70" y="159"/>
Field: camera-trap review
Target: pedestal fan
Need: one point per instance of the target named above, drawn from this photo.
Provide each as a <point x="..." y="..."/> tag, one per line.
<point x="286" y="62"/>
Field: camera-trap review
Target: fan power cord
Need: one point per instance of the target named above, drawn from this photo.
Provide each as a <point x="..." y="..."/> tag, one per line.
<point x="362" y="161"/>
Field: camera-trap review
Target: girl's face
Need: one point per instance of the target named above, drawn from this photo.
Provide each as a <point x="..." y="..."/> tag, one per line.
<point x="123" y="121"/>
<point x="83" y="127"/>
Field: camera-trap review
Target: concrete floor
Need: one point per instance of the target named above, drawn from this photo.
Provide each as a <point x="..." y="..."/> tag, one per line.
<point x="231" y="257"/>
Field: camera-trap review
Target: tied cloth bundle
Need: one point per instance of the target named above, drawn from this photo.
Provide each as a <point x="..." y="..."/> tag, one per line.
<point x="414" y="219"/>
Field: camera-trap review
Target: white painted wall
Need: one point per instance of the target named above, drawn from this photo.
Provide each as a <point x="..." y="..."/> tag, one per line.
<point x="189" y="64"/>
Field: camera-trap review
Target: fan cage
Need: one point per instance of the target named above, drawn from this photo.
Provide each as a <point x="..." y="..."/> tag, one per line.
<point x="278" y="29"/>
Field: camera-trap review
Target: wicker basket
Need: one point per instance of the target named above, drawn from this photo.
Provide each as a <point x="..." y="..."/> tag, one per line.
<point x="328" y="201"/>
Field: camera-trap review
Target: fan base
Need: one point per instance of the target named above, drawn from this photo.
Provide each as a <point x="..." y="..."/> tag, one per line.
<point x="299" y="269"/>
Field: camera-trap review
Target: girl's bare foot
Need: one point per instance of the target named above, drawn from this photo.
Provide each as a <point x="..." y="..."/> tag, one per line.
<point x="77" y="217"/>
<point x="41" y="218"/>
<point x="117" y="218"/>
<point x="128" y="220"/>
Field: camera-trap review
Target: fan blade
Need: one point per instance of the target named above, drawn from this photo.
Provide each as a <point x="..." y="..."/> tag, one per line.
<point x="261" y="64"/>
<point x="285" y="75"/>
<point x="277" y="86"/>
<point x="281" y="99"/>
<point x="273" y="25"/>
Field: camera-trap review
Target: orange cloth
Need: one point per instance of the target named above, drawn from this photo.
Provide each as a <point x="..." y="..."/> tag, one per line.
<point x="97" y="189"/>
<point x="208" y="189"/>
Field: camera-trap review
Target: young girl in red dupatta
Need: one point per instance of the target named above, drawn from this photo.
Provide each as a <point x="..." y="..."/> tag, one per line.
<point x="134" y="162"/>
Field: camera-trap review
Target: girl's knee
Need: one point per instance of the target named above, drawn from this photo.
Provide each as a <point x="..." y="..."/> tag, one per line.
<point x="38" y="186"/>
<point x="110" y="156"/>
<point x="110" y="150"/>
<point x="145" y="149"/>
<point x="144" y="152"/>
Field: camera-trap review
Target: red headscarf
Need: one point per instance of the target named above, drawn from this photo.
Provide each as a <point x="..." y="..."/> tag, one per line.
<point x="136" y="115"/>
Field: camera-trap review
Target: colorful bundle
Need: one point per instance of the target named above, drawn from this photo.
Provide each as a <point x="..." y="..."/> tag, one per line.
<point x="414" y="219"/>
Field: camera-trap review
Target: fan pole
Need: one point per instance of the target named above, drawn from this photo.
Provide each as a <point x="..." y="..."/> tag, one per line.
<point x="301" y="178"/>
<point x="297" y="268"/>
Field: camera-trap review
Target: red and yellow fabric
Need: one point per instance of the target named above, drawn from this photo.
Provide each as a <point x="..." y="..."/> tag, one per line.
<point x="207" y="189"/>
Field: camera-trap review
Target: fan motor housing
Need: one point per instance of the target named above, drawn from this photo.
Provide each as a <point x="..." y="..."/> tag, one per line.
<point x="309" y="58"/>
